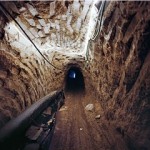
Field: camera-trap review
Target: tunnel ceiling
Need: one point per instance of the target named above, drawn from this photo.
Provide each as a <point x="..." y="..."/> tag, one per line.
<point x="52" y="25"/>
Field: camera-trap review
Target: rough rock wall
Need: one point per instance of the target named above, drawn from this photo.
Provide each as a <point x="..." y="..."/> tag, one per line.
<point x="27" y="78"/>
<point x="24" y="75"/>
<point x="23" y="80"/>
<point x="120" y="70"/>
<point x="53" y="24"/>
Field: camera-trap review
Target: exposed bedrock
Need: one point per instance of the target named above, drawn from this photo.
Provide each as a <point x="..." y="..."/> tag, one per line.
<point x="117" y="69"/>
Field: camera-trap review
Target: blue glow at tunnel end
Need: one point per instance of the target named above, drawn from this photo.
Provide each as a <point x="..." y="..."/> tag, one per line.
<point x="72" y="74"/>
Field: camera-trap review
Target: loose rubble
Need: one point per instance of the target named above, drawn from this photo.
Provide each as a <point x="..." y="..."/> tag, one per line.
<point x="89" y="107"/>
<point x="98" y="117"/>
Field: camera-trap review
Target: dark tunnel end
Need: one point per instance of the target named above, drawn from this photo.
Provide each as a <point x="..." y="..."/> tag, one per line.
<point x="74" y="80"/>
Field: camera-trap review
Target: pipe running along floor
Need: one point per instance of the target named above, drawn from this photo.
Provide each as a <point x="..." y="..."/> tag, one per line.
<point x="78" y="129"/>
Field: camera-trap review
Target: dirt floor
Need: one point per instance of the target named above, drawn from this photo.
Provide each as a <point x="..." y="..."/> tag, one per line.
<point x="78" y="128"/>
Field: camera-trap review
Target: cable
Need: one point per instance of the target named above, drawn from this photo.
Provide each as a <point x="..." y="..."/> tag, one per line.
<point x="99" y="21"/>
<point x="27" y="36"/>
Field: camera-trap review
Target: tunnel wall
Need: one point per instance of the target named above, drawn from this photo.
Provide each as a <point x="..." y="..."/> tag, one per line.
<point x="23" y="80"/>
<point x="27" y="77"/>
<point x="120" y="70"/>
<point x="24" y="75"/>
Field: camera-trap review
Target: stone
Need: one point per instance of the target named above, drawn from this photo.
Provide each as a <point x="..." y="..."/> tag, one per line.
<point x="98" y="117"/>
<point x="47" y="28"/>
<point x="63" y="108"/>
<point x="31" y="22"/>
<point x="89" y="107"/>
<point x="32" y="10"/>
<point x="22" y="9"/>
<point x="42" y="22"/>
<point x="38" y="26"/>
<point x="52" y="9"/>
<point x="41" y="34"/>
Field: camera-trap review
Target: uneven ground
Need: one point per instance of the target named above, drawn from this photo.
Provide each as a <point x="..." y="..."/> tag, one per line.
<point x="78" y="129"/>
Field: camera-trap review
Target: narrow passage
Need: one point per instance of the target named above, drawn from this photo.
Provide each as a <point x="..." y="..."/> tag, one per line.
<point x="78" y="129"/>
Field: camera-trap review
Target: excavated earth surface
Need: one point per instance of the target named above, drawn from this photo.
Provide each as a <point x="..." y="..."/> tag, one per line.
<point x="78" y="129"/>
<point x="116" y="72"/>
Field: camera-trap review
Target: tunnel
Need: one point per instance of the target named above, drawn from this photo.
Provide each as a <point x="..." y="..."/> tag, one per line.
<point x="74" y="80"/>
<point x="96" y="52"/>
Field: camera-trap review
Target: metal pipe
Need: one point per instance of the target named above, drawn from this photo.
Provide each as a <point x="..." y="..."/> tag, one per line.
<point x="17" y="126"/>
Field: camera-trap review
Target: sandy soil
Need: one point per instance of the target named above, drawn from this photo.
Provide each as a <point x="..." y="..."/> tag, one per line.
<point x="78" y="129"/>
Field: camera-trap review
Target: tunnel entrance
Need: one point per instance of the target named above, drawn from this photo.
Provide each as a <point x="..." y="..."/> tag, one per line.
<point x="74" y="80"/>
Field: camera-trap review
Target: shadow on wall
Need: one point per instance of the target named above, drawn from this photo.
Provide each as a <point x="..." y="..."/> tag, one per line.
<point x="74" y="81"/>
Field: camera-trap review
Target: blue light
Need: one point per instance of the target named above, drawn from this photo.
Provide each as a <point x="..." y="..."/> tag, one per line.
<point x="72" y="74"/>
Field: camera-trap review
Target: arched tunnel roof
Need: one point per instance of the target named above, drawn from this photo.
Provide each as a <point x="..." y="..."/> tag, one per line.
<point x="52" y="25"/>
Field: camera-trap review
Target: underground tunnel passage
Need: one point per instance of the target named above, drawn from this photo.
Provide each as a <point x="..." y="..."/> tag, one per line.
<point x="108" y="41"/>
<point x="74" y="81"/>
